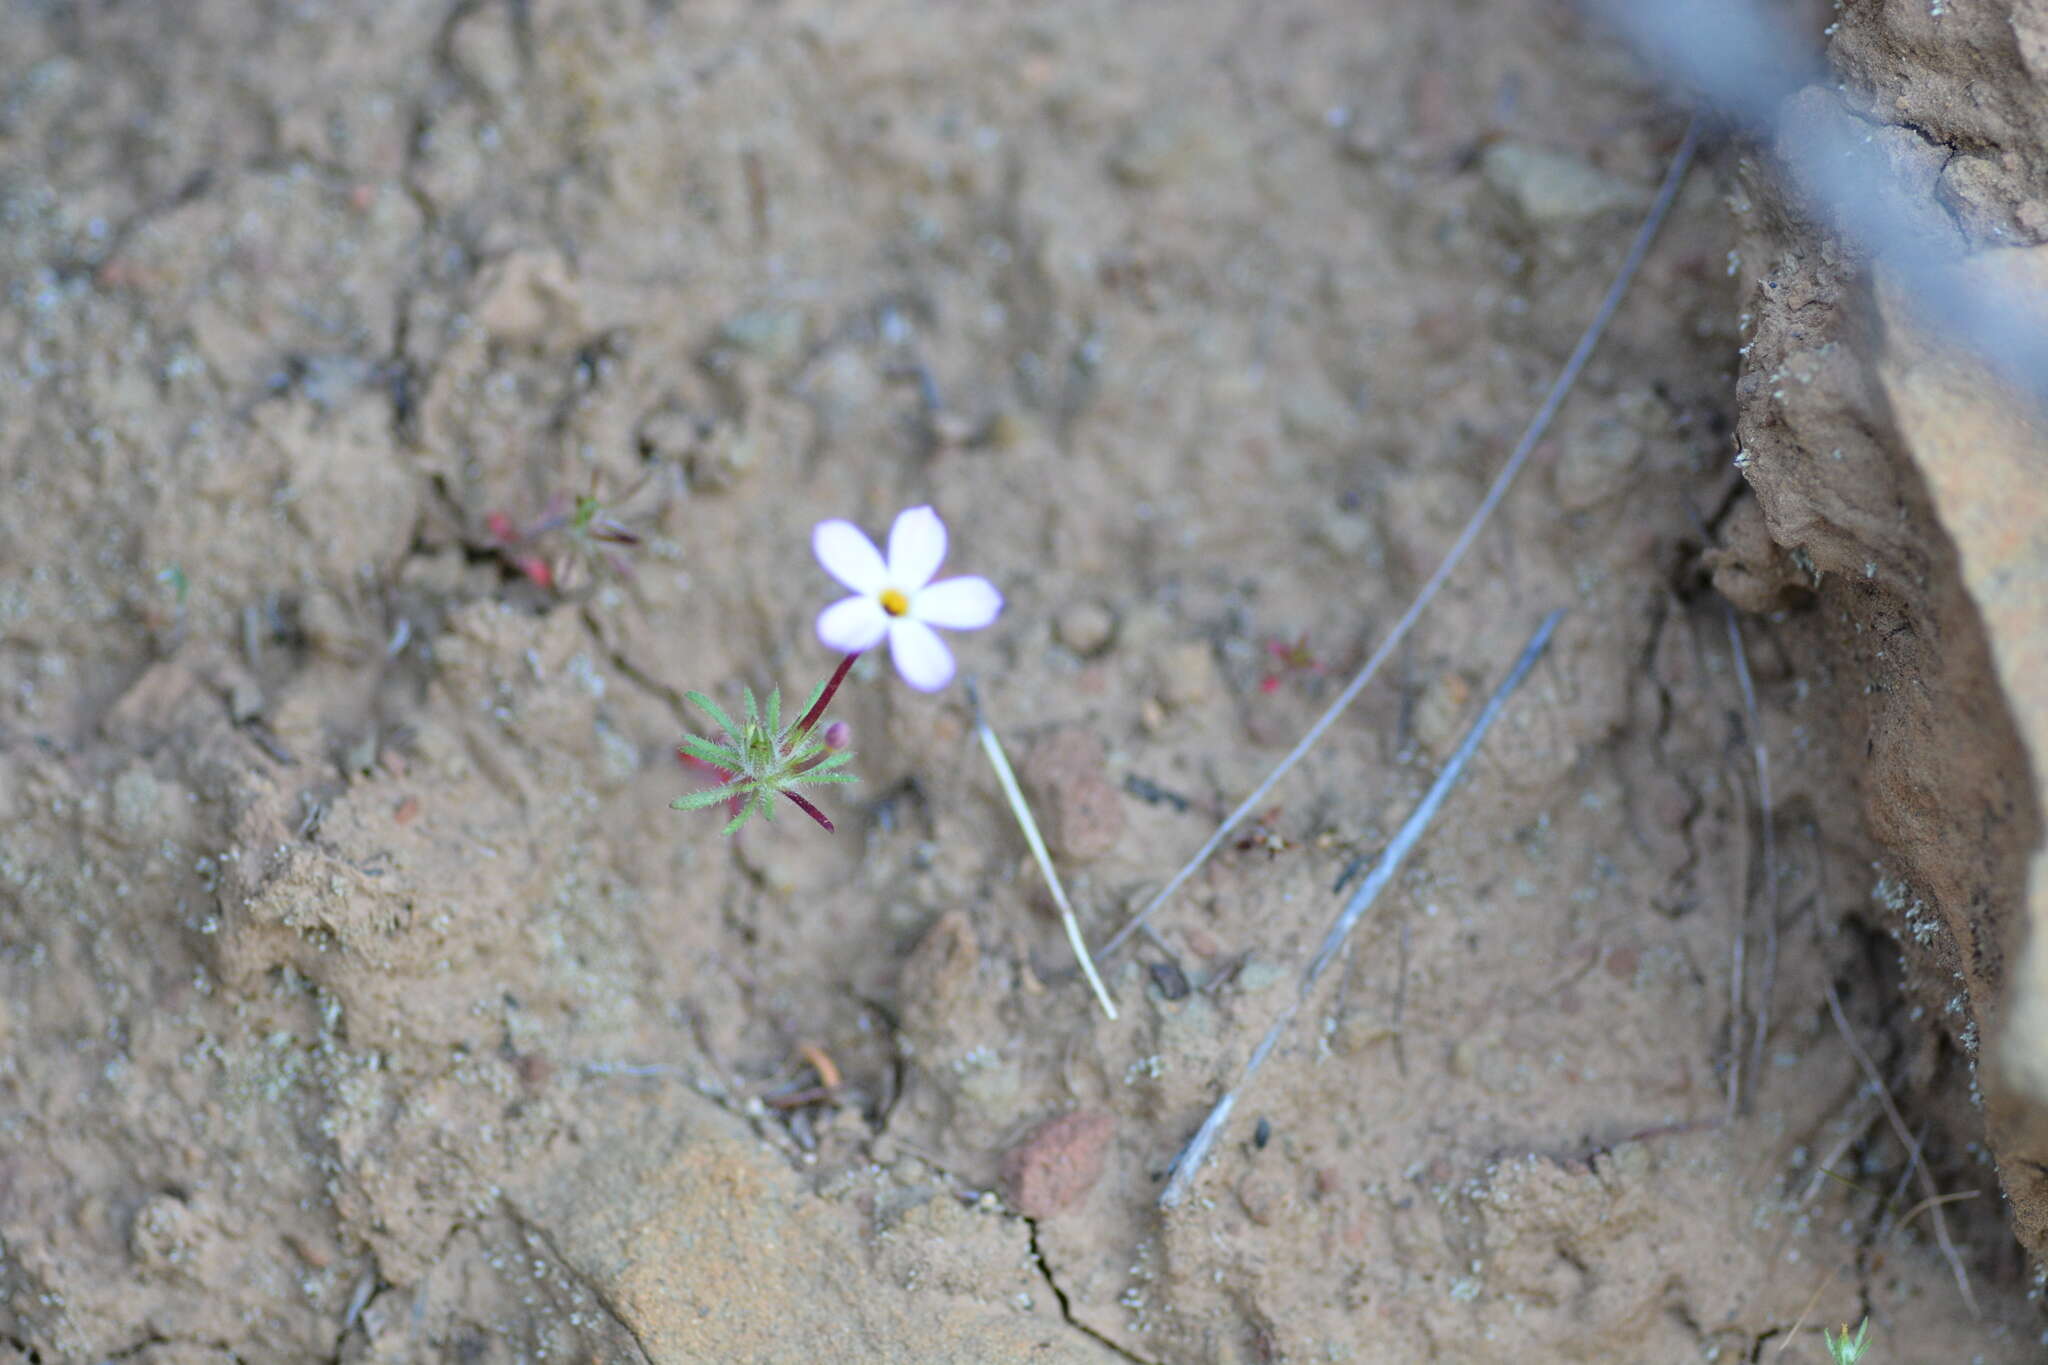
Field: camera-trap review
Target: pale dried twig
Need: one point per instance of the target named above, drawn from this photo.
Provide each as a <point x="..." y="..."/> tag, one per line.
<point x="1021" y="809"/>
<point x="1912" y="1146"/>
<point x="1767" y="814"/>
<point x="1792" y="1333"/>
<point x="1576" y="362"/>
<point x="1935" y="1201"/>
<point x="1860" y="1118"/>
<point x="1189" y="1164"/>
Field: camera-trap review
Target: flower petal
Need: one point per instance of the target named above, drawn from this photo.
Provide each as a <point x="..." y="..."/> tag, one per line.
<point x="917" y="546"/>
<point x="853" y="624"/>
<point x="849" y="556"/>
<point x="921" y="656"/>
<point x="958" y="604"/>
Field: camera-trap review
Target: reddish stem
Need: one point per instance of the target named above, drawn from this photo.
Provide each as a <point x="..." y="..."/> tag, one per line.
<point x="803" y="727"/>
<point x="808" y="809"/>
<point x="690" y="760"/>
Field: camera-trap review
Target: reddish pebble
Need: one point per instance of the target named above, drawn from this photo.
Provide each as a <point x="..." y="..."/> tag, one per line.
<point x="1057" y="1163"/>
<point x="407" y="810"/>
<point x="1069" y="769"/>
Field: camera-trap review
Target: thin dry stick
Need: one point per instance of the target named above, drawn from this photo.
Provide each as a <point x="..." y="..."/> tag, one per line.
<point x="1934" y="1201"/>
<point x="1189" y="1163"/>
<point x="1860" y="1118"/>
<point x="1906" y="1176"/>
<point x="1905" y="1135"/>
<point x="1401" y="1005"/>
<point x="1792" y="1334"/>
<point x="1666" y="193"/>
<point x="1738" y="957"/>
<point x="1005" y="776"/>
<point x="1760" y="753"/>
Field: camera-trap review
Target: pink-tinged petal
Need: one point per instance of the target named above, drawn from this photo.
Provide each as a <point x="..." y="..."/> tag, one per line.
<point x="958" y="604"/>
<point x="917" y="546"/>
<point x="853" y="624"/>
<point x="849" y="556"/>
<point x="921" y="656"/>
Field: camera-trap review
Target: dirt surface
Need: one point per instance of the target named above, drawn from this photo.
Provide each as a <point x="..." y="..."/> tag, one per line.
<point x="361" y="998"/>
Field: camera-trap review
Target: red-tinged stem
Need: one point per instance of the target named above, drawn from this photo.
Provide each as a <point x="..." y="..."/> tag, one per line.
<point x="803" y="727"/>
<point x="690" y="760"/>
<point x="808" y="809"/>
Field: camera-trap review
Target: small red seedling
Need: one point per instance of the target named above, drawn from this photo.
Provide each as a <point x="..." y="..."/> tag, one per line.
<point x="1290" y="659"/>
<point x="586" y="527"/>
<point x="1265" y="834"/>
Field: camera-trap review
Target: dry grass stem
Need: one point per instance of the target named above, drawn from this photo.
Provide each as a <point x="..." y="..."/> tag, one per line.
<point x="1006" y="777"/>
<point x="1768" y="893"/>
<point x="1912" y="1146"/>
<point x="1638" y="248"/>
<point x="1189" y="1164"/>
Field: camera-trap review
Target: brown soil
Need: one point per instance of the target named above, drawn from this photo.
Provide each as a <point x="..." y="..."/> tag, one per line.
<point x="361" y="998"/>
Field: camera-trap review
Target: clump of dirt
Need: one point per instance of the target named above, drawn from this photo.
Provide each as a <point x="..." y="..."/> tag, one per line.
<point x="1902" y="481"/>
<point x="362" y="999"/>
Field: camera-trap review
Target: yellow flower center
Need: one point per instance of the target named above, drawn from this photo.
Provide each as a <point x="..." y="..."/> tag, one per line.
<point x="894" y="602"/>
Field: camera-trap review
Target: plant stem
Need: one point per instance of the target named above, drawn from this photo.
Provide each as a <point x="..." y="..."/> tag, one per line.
<point x="808" y="809"/>
<point x="803" y="727"/>
<point x="993" y="747"/>
<point x="690" y="760"/>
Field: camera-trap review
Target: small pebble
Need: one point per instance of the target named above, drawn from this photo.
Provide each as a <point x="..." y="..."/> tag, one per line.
<point x="1171" y="981"/>
<point x="1597" y="466"/>
<point x="1086" y="627"/>
<point x="1057" y="1163"/>
<point x="1439" y="711"/>
<point x="1262" y="1197"/>
<point x="1258" y="976"/>
<point x="1187" y="676"/>
<point x="774" y="334"/>
<point x="1083" y="810"/>
<point x="1163" y="145"/>
<point x="246" y="701"/>
<point x="1551" y="190"/>
<point x="1005" y="431"/>
<point x="1351" y="536"/>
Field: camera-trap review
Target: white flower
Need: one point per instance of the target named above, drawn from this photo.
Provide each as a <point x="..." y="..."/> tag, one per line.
<point x="897" y="598"/>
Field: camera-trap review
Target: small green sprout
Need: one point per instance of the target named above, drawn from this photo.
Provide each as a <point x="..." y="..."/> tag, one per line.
<point x="1845" y="1349"/>
<point x="765" y="758"/>
<point x="173" y="577"/>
